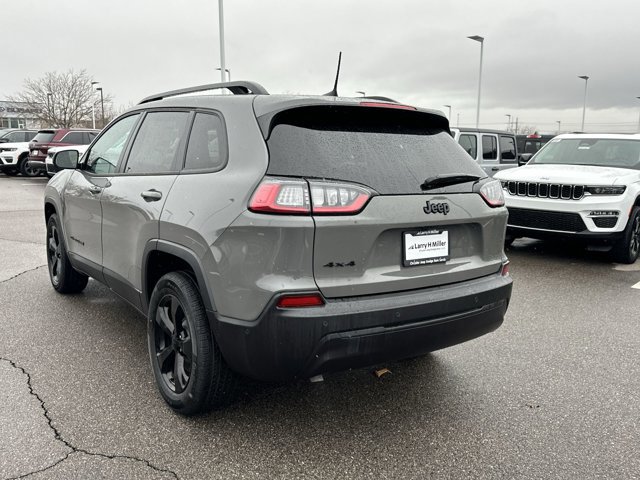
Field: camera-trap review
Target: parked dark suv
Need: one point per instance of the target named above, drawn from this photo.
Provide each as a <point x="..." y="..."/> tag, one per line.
<point x="281" y="237"/>
<point x="47" y="138"/>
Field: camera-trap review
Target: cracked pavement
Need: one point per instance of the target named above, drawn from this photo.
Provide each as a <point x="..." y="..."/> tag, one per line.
<point x="554" y="393"/>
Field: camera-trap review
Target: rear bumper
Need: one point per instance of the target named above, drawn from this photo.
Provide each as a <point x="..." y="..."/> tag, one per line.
<point x="36" y="164"/>
<point x="358" y="332"/>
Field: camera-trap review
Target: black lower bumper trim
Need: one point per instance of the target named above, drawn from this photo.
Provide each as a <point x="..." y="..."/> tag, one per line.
<point x="584" y="236"/>
<point x="353" y="333"/>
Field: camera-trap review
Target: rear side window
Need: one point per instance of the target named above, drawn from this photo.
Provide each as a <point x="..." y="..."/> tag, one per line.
<point x="470" y="144"/>
<point x="76" y="138"/>
<point x="207" y="148"/>
<point x="391" y="151"/>
<point x="44" y="137"/>
<point x="158" y="142"/>
<point x="489" y="147"/>
<point x="507" y="148"/>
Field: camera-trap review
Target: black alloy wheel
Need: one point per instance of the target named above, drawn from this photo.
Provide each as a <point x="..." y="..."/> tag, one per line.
<point x="26" y="170"/>
<point x="54" y="253"/>
<point x="190" y="372"/>
<point x="173" y="343"/>
<point x="64" y="278"/>
<point x="627" y="249"/>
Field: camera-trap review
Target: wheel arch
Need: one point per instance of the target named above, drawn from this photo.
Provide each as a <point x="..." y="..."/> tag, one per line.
<point x="162" y="257"/>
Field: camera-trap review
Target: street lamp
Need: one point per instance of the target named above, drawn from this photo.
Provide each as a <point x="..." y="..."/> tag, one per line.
<point x="558" y="122"/>
<point x="101" y="104"/>
<point x="480" y="39"/>
<point x="51" y="107"/>
<point x="93" y="105"/>
<point x="508" y="115"/>
<point x="223" y="68"/>
<point x="638" y="118"/>
<point x="584" y="103"/>
<point x="364" y="94"/>
<point x="449" y="107"/>
<point x="228" y="74"/>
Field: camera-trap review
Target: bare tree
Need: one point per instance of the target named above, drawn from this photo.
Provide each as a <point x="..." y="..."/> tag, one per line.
<point x="64" y="99"/>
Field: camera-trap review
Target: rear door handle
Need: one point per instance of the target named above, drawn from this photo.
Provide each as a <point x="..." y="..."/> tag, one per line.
<point x="95" y="189"/>
<point x="495" y="169"/>
<point x="151" y="195"/>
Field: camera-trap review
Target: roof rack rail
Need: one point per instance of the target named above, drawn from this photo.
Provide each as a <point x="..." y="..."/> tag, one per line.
<point x="237" y="88"/>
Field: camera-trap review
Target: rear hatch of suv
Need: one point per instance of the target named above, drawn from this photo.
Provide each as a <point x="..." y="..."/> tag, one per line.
<point x="360" y="171"/>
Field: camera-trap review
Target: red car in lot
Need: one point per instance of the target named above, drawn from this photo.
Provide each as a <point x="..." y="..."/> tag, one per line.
<point x="47" y="138"/>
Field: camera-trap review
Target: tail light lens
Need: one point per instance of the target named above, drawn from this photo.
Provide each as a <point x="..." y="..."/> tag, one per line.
<point x="491" y="192"/>
<point x="505" y="268"/>
<point x="286" y="196"/>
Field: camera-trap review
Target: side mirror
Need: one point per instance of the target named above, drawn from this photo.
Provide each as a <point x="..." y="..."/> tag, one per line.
<point x="524" y="158"/>
<point x="4" y="140"/>
<point x="67" y="159"/>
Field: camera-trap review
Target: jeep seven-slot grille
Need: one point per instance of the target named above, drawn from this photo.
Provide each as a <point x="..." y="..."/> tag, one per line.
<point x="546" y="190"/>
<point x="545" y="220"/>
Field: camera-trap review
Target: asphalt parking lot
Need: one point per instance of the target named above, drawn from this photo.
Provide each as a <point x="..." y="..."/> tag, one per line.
<point x="554" y="393"/>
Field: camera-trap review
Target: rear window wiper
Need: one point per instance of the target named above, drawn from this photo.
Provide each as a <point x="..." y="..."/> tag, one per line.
<point x="448" y="179"/>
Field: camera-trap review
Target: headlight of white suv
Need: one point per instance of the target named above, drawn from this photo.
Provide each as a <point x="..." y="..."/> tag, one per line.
<point x="604" y="190"/>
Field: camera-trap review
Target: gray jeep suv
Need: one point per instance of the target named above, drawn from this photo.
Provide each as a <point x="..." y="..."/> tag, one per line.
<point x="281" y="237"/>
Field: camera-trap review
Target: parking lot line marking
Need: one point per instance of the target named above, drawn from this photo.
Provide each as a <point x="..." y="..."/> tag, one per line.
<point x="637" y="286"/>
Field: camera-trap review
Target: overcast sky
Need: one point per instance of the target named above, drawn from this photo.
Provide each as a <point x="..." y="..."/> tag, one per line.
<point x="415" y="51"/>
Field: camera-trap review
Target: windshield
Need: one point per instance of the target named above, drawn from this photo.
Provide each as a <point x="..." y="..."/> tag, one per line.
<point x="43" y="137"/>
<point x="391" y="151"/>
<point x="599" y="152"/>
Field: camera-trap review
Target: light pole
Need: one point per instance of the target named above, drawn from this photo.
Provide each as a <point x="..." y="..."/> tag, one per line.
<point x="558" y="122"/>
<point x="584" y="103"/>
<point x="228" y="74"/>
<point x="508" y="115"/>
<point x="458" y="121"/>
<point x="223" y="68"/>
<point x="480" y="39"/>
<point x="638" y="118"/>
<point x="93" y="104"/>
<point x="364" y="94"/>
<point x="51" y="107"/>
<point x="101" y="104"/>
<point x="449" y="107"/>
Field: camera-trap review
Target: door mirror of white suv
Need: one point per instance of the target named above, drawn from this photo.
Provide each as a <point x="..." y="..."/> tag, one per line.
<point x="524" y="158"/>
<point x="67" y="159"/>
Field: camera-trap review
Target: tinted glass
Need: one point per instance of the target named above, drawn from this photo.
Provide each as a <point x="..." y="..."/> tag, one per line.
<point x="470" y="144"/>
<point x="391" y="151"/>
<point x="207" y="148"/>
<point x="43" y="137"/>
<point x="507" y="148"/>
<point x="16" y="137"/>
<point x="77" y="138"/>
<point x="29" y="135"/>
<point x="590" y="151"/>
<point x="489" y="147"/>
<point x="104" y="155"/>
<point x="157" y="144"/>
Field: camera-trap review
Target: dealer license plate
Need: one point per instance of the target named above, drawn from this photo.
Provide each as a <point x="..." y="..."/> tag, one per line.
<point x="425" y="247"/>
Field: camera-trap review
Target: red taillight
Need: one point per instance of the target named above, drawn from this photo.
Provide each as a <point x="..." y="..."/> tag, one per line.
<point x="301" y="301"/>
<point x="534" y="135"/>
<point x="286" y="196"/>
<point x="281" y="196"/>
<point x="387" y="105"/>
<point x="505" y="269"/>
<point x="492" y="193"/>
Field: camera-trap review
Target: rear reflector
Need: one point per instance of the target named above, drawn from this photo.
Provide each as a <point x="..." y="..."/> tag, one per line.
<point x="387" y="105"/>
<point x="301" y="301"/>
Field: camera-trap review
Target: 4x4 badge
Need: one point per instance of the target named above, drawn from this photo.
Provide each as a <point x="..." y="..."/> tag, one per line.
<point x="433" y="207"/>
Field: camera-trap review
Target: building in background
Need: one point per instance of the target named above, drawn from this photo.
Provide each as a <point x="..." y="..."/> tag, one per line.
<point x="19" y="115"/>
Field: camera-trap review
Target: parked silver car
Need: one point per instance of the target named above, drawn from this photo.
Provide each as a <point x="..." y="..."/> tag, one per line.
<point x="281" y="237"/>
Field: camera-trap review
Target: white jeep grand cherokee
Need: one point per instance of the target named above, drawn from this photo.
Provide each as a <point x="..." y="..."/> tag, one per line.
<point x="582" y="186"/>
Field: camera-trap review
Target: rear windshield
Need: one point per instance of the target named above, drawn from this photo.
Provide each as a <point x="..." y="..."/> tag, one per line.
<point x="590" y="151"/>
<point x="44" y="137"/>
<point x="391" y="151"/>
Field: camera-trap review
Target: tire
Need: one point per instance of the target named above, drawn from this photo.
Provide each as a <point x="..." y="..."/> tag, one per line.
<point x="626" y="250"/>
<point x="187" y="364"/>
<point x="64" y="278"/>
<point x="25" y="170"/>
<point x="508" y="240"/>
